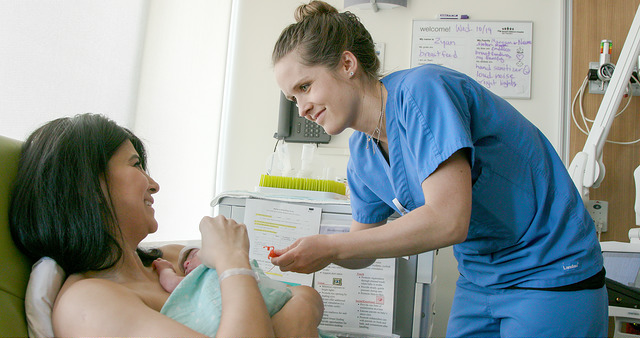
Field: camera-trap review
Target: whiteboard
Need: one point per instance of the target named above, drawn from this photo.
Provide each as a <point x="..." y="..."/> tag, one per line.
<point x="496" y="54"/>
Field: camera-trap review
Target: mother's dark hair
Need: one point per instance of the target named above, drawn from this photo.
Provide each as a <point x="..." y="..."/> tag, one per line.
<point x="58" y="208"/>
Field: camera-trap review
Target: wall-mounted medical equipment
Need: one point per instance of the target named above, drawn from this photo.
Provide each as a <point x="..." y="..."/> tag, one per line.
<point x="587" y="169"/>
<point x="296" y="129"/>
<point x="600" y="73"/>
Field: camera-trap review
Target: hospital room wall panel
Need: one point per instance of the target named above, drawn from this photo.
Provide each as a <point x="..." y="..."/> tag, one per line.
<point x="594" y="21"/>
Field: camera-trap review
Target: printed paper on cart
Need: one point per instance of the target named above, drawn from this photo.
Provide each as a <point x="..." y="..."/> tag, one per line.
<point x="278" y="224"/>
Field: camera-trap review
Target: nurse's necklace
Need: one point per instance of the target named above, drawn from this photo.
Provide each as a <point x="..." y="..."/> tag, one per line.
<point x="376" y="132"/>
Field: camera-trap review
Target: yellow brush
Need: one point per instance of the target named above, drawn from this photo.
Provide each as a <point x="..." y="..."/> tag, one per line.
<point x="311" y="184"/>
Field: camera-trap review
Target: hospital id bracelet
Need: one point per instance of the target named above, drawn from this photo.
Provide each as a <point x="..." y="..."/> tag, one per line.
<point x="237" y="271"/>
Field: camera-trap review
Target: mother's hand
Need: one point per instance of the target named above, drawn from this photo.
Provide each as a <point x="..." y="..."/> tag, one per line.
<point x="225" y="243"/>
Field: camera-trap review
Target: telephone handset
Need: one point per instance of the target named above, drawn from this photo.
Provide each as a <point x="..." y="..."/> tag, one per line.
<point x="296" y="129"/>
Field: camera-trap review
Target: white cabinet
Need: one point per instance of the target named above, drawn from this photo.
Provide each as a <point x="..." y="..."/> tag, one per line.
<point x="414" y="290"/>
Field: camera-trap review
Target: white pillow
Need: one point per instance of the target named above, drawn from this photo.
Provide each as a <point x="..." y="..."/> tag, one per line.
<point x="44" y="284"/>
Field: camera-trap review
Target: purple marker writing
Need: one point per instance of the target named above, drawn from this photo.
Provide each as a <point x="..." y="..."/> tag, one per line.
<point x="453" y="16"/>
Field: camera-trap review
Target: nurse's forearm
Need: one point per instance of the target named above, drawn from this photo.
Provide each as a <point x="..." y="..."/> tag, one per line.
<point x="356" y="263"/>
<point x="421" y="230"/>
<point x="442" y="221"/>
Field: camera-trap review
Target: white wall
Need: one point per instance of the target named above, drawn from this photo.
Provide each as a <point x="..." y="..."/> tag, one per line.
<point x="179" y="108"/>
<point x="156" y="67"/>
<point x="61" y="58"/>
<point x="251" y="100"/>
<point x="67" y="57"/>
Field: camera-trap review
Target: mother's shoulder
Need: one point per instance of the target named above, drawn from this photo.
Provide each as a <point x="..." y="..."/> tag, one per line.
<point x="80" y="289"/>
<point x="92" y="303"/>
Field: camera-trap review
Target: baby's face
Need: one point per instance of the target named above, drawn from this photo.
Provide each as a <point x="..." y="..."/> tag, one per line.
<point x="191" y="262"/>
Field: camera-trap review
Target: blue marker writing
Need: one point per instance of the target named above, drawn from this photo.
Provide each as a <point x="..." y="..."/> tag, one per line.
<point x="453" y="16"/>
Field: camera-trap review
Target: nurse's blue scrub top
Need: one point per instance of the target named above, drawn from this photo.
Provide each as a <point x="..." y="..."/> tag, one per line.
<point x="528" y="228"/>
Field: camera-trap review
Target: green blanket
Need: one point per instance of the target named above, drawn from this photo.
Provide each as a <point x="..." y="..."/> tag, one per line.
<point x="196" y="302"/>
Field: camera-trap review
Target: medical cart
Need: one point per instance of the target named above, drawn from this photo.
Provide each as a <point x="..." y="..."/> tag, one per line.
<point x="414" y="290"/>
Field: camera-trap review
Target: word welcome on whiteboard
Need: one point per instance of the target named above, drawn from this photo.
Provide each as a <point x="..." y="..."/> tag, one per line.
<point x="496" y="54"/>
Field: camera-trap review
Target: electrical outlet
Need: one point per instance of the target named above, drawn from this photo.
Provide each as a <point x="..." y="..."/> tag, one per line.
<point x="598" y="211"/>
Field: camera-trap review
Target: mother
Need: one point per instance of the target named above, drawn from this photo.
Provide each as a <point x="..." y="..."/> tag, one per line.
<point x="84" y="198"/>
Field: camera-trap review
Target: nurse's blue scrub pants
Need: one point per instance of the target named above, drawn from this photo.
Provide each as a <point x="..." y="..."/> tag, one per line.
<point x="484" y="312"/>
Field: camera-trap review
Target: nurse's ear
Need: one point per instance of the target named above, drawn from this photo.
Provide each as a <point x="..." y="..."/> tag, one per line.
<point x="348" y="64"/>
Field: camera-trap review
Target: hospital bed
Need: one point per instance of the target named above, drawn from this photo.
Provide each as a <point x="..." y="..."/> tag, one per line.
<point x="15" y="267"/>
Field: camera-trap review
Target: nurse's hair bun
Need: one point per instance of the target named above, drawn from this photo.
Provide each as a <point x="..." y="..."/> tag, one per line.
<point x="314" y="8"/>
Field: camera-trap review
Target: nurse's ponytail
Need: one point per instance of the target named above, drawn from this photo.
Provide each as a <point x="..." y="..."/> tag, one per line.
<point x="312" y="9"/>
<point x="321" y="34"/>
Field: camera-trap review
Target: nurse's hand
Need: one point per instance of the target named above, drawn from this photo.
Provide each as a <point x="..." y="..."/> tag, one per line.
<point x="305" y="255"/>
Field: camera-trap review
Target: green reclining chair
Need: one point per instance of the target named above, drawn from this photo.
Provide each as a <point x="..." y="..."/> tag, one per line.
<point x="14" y="265"/>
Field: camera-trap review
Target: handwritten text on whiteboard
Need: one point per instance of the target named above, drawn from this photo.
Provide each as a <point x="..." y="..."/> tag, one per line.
<point x="496" y="54"/>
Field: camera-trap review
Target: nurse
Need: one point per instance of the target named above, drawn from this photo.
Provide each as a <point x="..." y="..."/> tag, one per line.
<point x="463" y="167"/>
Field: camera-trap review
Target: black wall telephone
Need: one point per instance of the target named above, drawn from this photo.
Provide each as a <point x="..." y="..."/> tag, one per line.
<point x="296" y="129"/>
